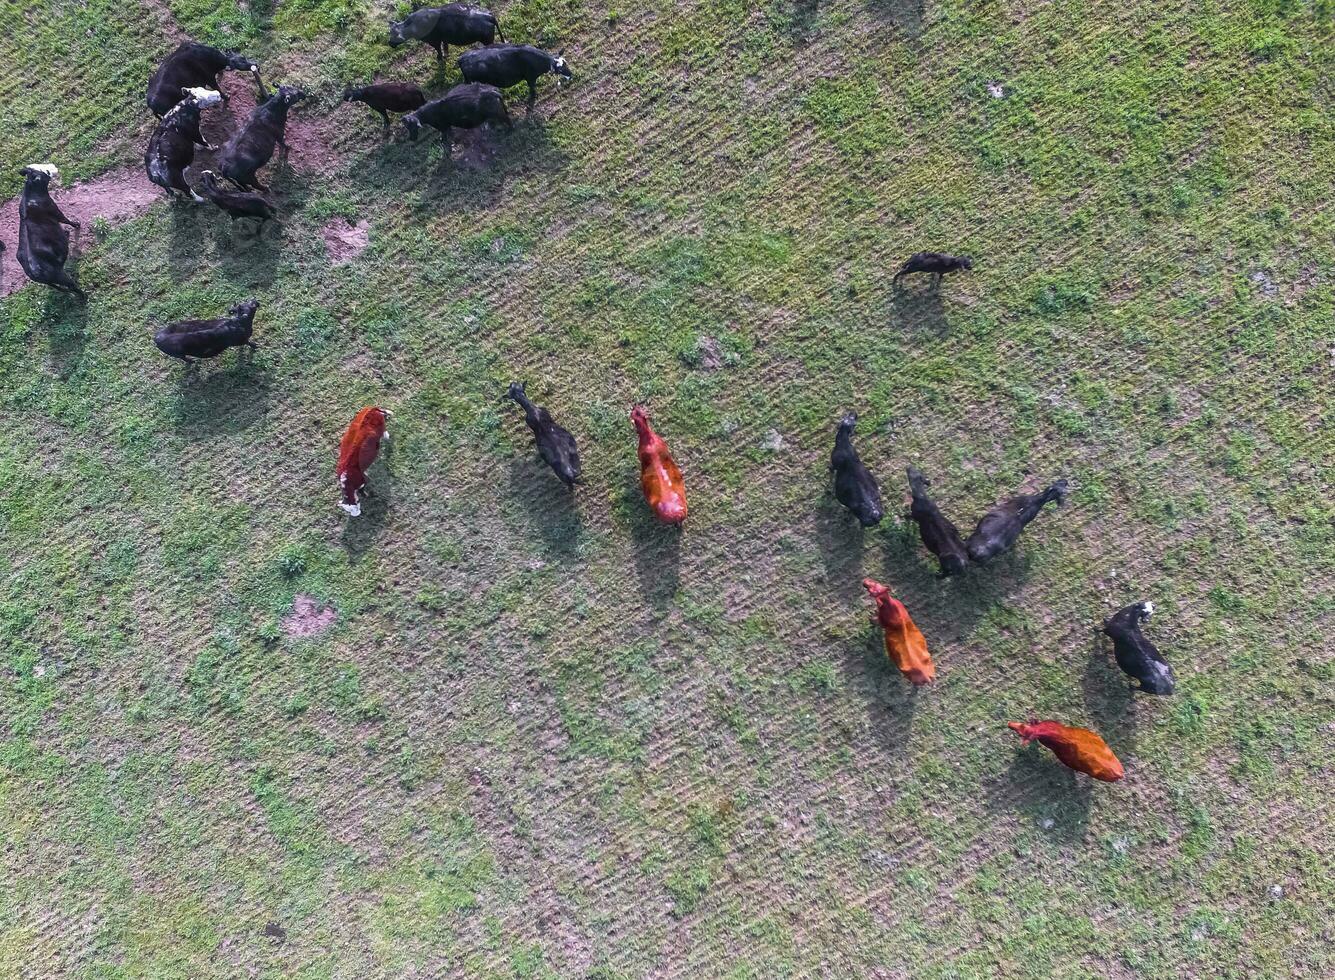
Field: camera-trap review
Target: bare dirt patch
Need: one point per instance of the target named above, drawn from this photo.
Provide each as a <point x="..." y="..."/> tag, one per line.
<point x="115" y="197"/>
<point x="308" y="618"/>
<point x="345" y="240"/>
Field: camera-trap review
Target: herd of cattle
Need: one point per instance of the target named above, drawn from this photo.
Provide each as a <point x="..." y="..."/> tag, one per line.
<point x="187" y="83"/>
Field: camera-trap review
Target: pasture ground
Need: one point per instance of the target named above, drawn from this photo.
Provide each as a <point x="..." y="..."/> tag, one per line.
<point x="539" y="736"/>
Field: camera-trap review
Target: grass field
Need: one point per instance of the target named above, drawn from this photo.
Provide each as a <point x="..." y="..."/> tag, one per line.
<point x="545" y="737"/>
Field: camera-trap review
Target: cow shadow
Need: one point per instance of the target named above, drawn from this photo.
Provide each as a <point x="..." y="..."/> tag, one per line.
<point x="842" y="541"/>
<point x="1039" y="788"/>
<point x="891" y="700"/>
<point x="948" y="608"/>
<point x="218" y="402"/>
<point x="552" y="509"/>
<point x="905" y="15"/>
<point x="1110" y="697"/>
<point x="918" y="310"/>
<point x="186" y="253"/>
<point x="65" y="318"/>
<point x="360" y="533"/>
<point x="657" y="550"/>
<point x="802" y="20"/>
<point x="471" y="179"/>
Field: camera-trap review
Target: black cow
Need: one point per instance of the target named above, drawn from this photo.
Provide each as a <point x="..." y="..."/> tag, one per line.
<point x="1000" y="527"/>
<point x="854" y="486"/>
<point x="43" y="244"/>
<point x="252" y="147"/>
<point x="937" y="263"/>
<point x="464" y="106"/>
<point x="192" y="65"/>
<point x="238" y="204"/>
<point x="940" y="536"/>
<point x="455" y="23"/>
<point x="556" y="446"/>
<point x="171" y="148"/>
<point x="1136" y="655"/>
<point x="387" y="97"/>
<point x="209" y="338"/>
<point x="504" y="65"/>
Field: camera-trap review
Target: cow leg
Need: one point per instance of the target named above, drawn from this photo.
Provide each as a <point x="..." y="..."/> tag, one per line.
<point x="217" y="87"/>
<point x="64" y="220"/>
<point x="440" y="54"/>
<point x="65" y="284"/>
<point x="532" y="94"/>
<point x="447" y="143"/>
<point x="385" y="116"/>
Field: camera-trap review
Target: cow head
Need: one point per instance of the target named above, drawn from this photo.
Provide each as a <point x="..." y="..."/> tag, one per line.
<point x="351" y="93"/>
<point x="396" y="33"/>
<point x="411" y="124"/>
<point x="236" y="62"/>
<point x="966" y="262"/>
<point x="848" y="423"/>
<point x="1146" y="610"/>
<point x="290" y="95"/>
<point x="245" y="310"/>
<point x="40" y="174"/>
<point x="559" y="68"/>
<point x="203" y="97"/>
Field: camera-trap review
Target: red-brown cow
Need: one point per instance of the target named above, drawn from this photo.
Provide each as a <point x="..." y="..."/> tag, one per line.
<point x="356" y="453"/>
<point x="1077" y="748"/>
<point x="660" y="478"/>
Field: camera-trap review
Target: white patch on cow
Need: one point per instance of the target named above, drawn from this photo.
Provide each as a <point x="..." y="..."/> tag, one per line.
<point x="47" y="168"/>
<point x="352" y="510"/>
<point x="255" y="69"/>
<point x="205" y="96"/>
<point x="1148" y="607"/>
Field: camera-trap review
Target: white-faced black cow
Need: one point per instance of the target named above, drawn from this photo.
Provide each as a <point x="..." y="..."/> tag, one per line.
<point x="455" y="23"/>
<point x="504" y="65"/>
<point x="1001" y="526"/>
<point x="935" y="263"/>
<point x="387" y="97"/>
<point x="253" y="145"/>
<point x="940" y="536"/>
<point x="854" y="486"/>
<point x="43" y="244"/>
<point x="193" y="65"/>
<point x="464" y="107"/>
<point x="556" y="446"/>
<point x="208" y="338"/>
<point x="238" y="204"/>
<point x="171" y="148"/>
<point x="1136" y="655"/>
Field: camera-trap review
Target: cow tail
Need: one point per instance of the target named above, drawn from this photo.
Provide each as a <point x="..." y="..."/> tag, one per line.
<point x="499" y="33"/>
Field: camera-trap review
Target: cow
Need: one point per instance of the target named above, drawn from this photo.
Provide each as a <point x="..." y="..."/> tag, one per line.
<point x="171" y="148"/>
<point x="192" y="65"/>
<point x="1001" y="526"/>
<point x="936" y="263"/>
<point x="237" y="204"/>
<point x="1136" y="655"/>
<point x="854" y="486"/>
<point x="905" y="646"/>
<point x="44" y="246"/>
<point x="253" y="145"/>
<point x="454" y="23"/>
<point x="464" y="107"/>
<point x="504" y="65"/>
<point x="387" y="97"/>
<point x="1077" y="748"/>
<point x="660" y="478"/>
<point x="189" y="339"/>
<point x="556" y="446"/>
<point x="940" y="536"/>
<point x="356" y="452"/>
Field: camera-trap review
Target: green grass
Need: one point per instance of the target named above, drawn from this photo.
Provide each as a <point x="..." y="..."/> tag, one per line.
<point x="546" y="738"/>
